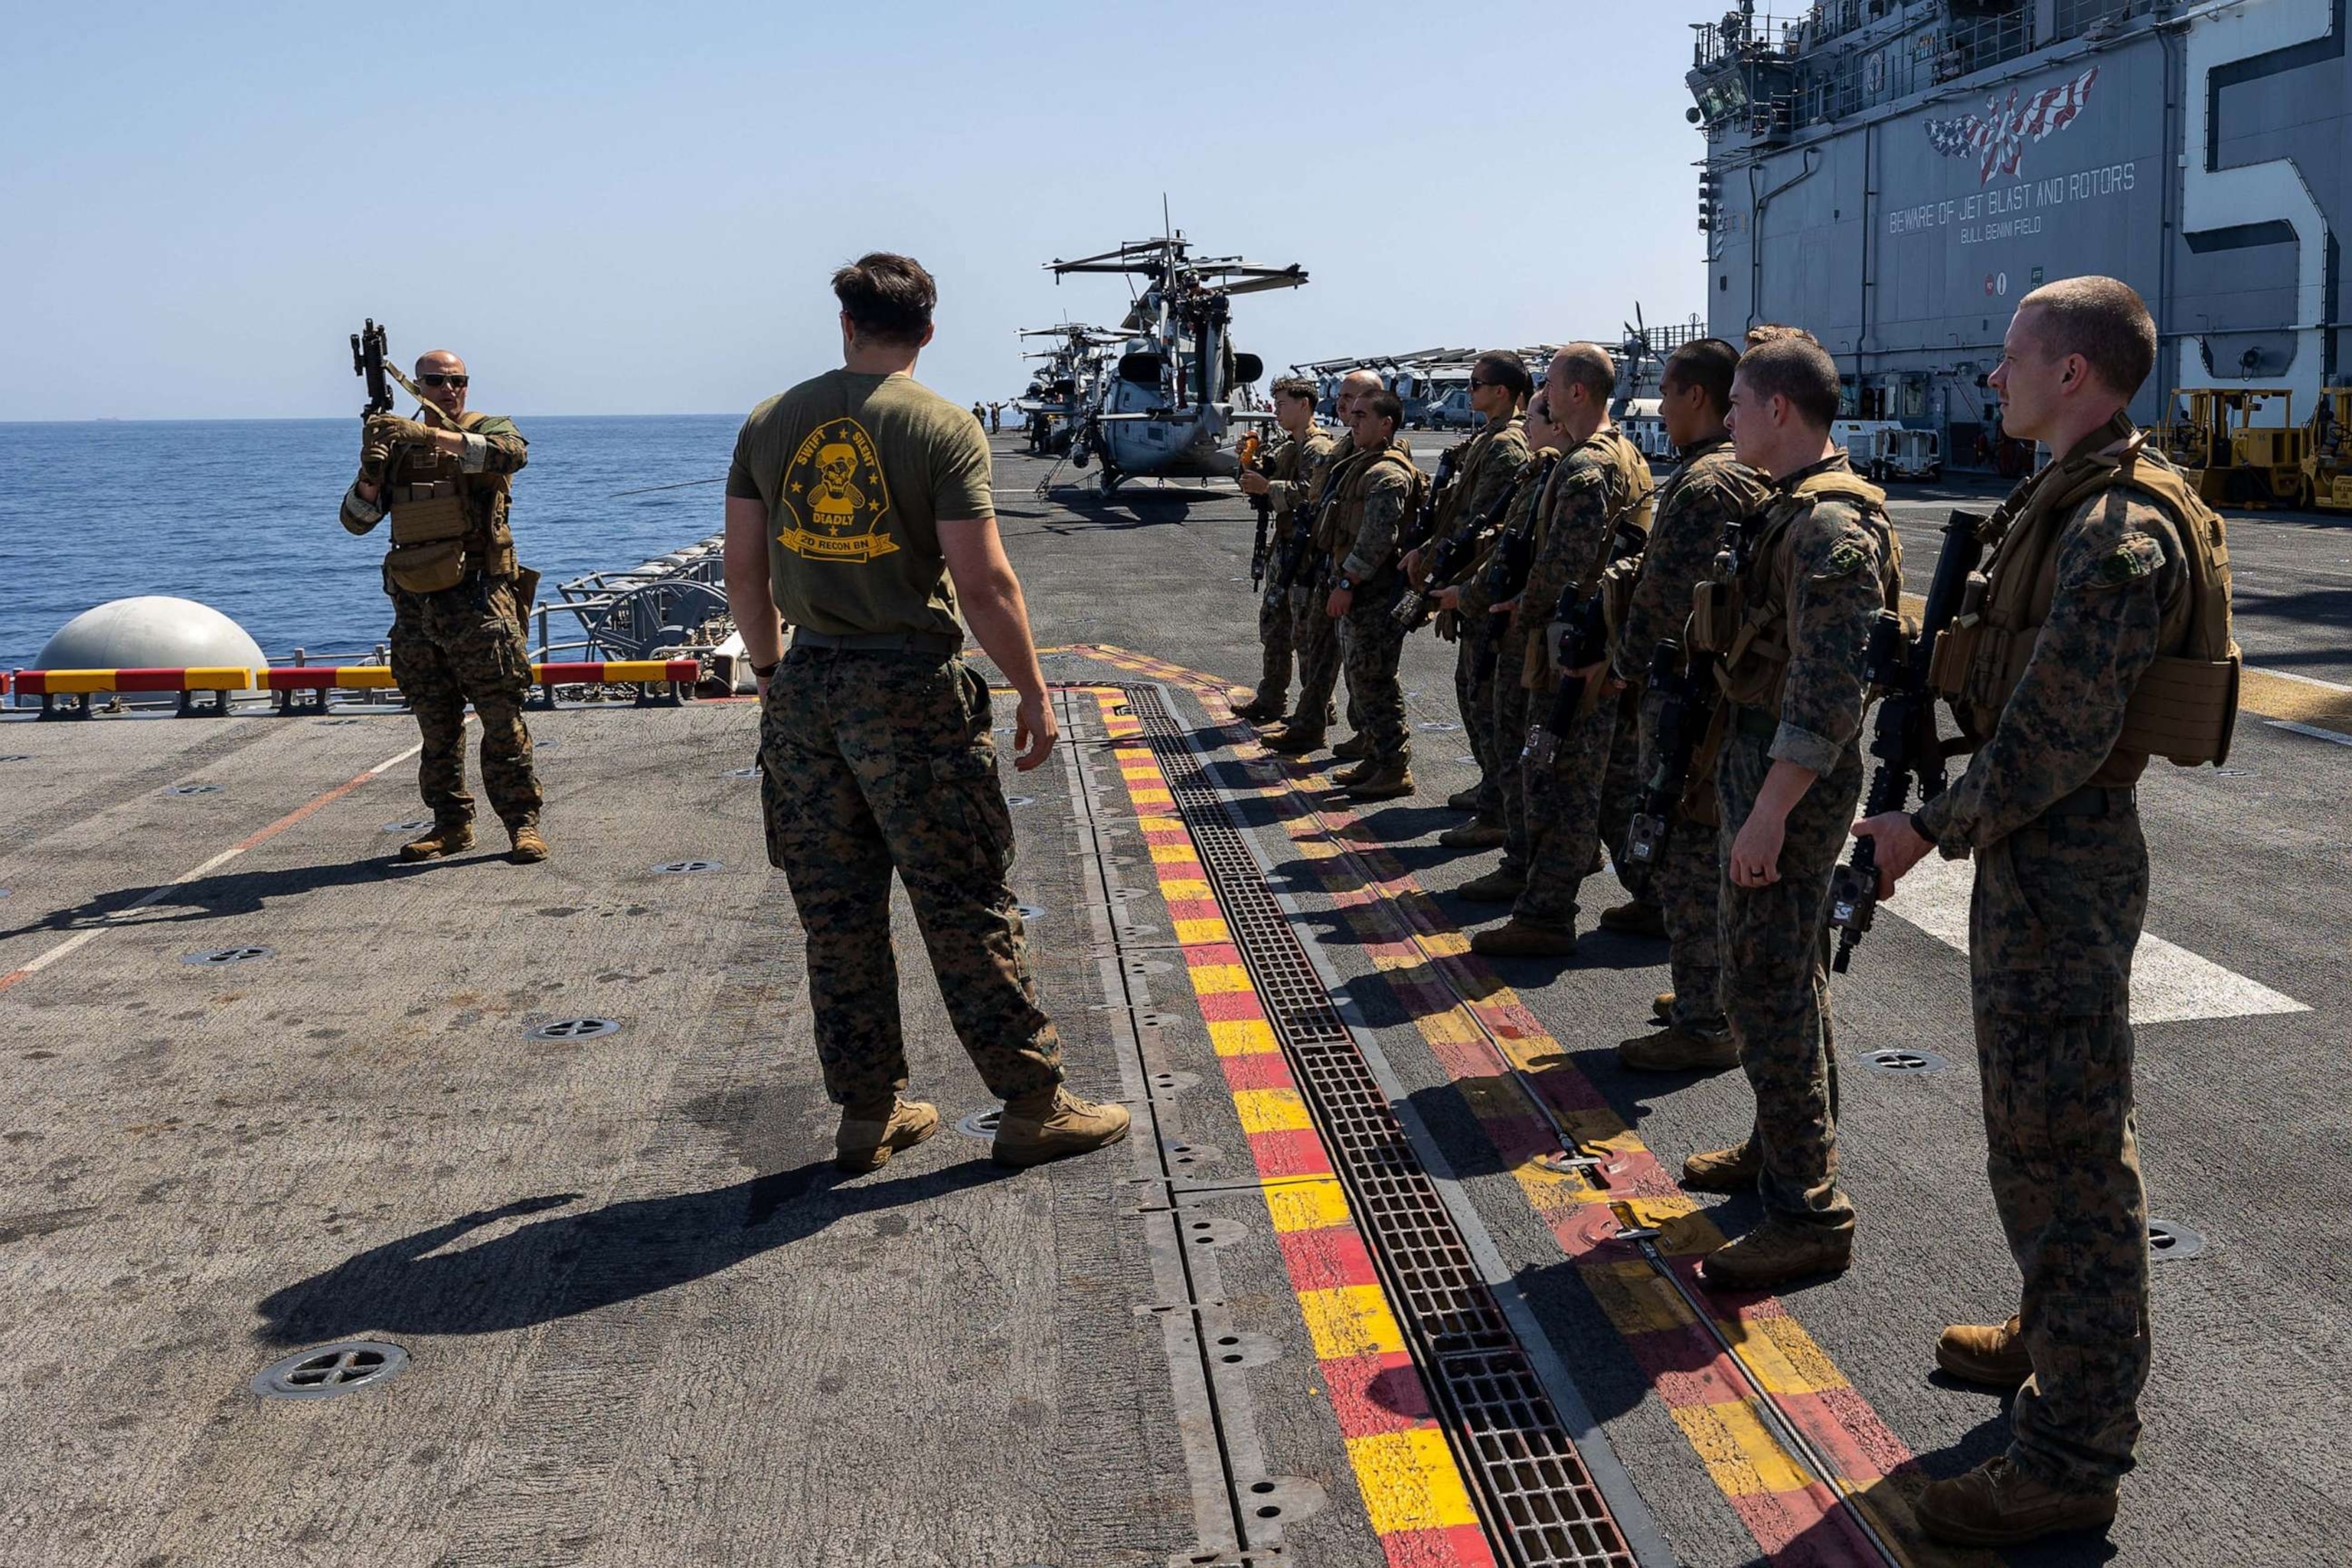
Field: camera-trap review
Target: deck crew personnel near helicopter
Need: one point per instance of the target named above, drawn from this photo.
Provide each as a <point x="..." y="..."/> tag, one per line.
<point x="458" y="600"/>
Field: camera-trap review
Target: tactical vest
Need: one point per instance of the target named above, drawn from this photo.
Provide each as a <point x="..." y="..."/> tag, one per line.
<point x="1615" y="581"/>
<point x="1293" y="464"/>
<point x="1347" y="510"/>
<point x="1746" y="619"/>
<point x="1466" y="472"/>
<point x="2186" y="704"/>
<point x="447" y="524"/>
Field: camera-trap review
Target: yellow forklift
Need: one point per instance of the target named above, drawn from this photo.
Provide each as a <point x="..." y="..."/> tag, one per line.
<point x="2328" y="459"/>
<point x="2212" y="437"/>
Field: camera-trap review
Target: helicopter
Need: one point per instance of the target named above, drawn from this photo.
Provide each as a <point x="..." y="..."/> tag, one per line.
<point x="1067" y="384"/>
<point x="1168" y="401"/>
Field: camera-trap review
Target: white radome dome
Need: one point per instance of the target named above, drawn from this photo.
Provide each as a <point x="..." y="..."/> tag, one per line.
<point x="152" y="631"/>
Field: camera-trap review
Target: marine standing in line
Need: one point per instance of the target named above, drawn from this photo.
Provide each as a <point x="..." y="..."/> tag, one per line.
<point x="458" y="599"/>
<point x="1490" y="463"/>
<point x="1314" y="634"/>
<point x="1601" y="496"/>
<point x="1709" y="494"/>
<point x="1292" y="466"/>
<point x="1790" y="619"/>
<point x="858" y="506"/>
<point x="2100" y="635"/>
<point x="1372" y="506"/>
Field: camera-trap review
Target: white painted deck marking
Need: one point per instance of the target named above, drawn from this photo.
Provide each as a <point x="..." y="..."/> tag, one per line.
<point x="2169" y="985"/>
<point x="153" y="896"/>
<point x="2314" y="730"/>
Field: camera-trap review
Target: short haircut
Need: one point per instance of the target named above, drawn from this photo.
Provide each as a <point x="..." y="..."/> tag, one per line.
<point x="2102" y="319"/>
<point x="1385" y="406"/>
<point x="1707" y="363"/>
<point x="1764" y="333"/>
<point x="1503" y="369"/>
<point x="1297" y="386"/>
<point x="1795" y="367"/>
<point x="1586" y="365"/>
<point x="887" y="297"/>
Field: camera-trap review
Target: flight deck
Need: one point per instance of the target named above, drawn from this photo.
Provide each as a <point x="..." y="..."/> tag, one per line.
<point x="518" y="1179"/>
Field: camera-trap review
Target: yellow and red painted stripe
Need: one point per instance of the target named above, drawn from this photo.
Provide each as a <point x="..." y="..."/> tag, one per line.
<point x="1414" y="1496"/>
<point x="1479" y="1030"/>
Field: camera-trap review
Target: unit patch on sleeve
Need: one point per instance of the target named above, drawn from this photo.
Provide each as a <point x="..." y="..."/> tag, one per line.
<point x="836" y="493"/>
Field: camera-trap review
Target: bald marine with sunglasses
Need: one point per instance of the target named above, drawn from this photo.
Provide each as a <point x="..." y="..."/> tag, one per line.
<point x="458" y="599"/>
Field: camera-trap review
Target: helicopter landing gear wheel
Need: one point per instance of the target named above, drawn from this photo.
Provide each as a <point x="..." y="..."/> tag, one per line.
<point x="1110" y="481"/>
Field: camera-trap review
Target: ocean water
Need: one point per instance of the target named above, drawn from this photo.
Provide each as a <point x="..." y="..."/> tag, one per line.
<point x="241" y="514"/>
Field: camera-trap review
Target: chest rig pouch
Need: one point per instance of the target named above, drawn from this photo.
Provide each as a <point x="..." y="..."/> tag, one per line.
<point x="1742" y="615"/>
<point x="447" y="525"/>
<point x="2185" y="707"/>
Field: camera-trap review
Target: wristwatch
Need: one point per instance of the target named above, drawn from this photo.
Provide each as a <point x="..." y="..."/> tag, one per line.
<point x="1347" y="583"/>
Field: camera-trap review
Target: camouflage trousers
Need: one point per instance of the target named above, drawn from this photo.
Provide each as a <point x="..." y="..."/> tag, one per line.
<point x="1372" y="644"/>
<point x="1275" y="636"/>
<point x="450" y="649"/>
<point x="1564" y="811"/>
<point x="1507" y="730"/>
<point x="1774" y="944"/>
<point x="1686" y="885"/>
<point x="1475" y="693"/>
<point x="2051" y="929"/>
<point x="1621" y="788"/>
<point x="871" y="761"/>
<point x="1314" y="636"/>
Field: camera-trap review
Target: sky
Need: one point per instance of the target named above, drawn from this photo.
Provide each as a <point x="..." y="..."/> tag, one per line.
<point x="634" y="209"/>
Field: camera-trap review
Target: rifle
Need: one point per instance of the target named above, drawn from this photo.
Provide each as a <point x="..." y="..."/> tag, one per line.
<point x="368" y="345"/>
<point x="1581" y="633"/>
<point x="1904" y="737"/>
<point x="1298" y="547"/>
<point x="1506" y="571"/>
<point x="1454" y="552"/>
<point x="1248" y="450"/>
<point x="367" y="360"/>
<point x="1685" y="693"/>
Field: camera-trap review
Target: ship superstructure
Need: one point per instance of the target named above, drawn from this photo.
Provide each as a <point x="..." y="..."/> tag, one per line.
<point x="1895" y="176"/>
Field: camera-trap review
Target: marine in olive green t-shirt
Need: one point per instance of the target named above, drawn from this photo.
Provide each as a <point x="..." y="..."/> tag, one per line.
<point x="856" y="471"/>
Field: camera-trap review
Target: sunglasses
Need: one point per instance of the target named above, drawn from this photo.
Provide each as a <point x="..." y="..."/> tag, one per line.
<point x="436" y="380"/>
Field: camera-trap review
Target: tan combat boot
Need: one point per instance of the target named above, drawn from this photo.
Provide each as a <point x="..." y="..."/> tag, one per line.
<point x="1258" y="712"/>
<point x="449" y="839"/>
<point x="1774" y="1253"/>
<point x="1662" y="1005"/>
<point x="1676" y="1049"/>
<point x="1997" y="1504"/>
<point x="1462" y="799"/>
<point x="1388" y="780"/>
<point x="530" y="848"/>
<point x="1355" y="747"/>
<point x="1635" y="918"/>
<point x="1053" y="1124"/>
<point x="1992" y="1354"/>
<point x="869" y="1136"/>
<point x="1497" y="887"/>
<point x="1732" y="1170"/>
<point x="1295" y="740"/>
<point x="1355" y="774"/>
<point x="1515" y="938"/>
<point x="1474" y="834"/>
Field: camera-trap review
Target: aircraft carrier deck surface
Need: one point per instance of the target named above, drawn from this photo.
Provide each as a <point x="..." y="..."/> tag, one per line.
<point x="1340" y="1302"/>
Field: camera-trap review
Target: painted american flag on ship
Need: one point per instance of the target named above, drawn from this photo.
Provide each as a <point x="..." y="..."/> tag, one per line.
<point x="1997" y="138"/>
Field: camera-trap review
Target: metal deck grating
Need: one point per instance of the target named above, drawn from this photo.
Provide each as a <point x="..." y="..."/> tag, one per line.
<point x="1538" y="1499"/>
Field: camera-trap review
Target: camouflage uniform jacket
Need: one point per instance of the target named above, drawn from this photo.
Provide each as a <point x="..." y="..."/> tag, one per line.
<point x="1709" y="492"/>
<point x="1295" y="469"/>
<point x="494" y="449"/>
<point x="1587" y="495"/>
<point x="1520" y="515"/>
<point x="1490" y="460"/>
<point x="1828" y="566"/>
<point x="2122" y="580"/>
<point x="1370" y="508"/>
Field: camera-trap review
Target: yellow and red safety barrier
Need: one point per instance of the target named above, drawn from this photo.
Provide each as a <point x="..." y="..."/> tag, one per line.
<point x="50" y="685"/>
<point x="291" y="681"/>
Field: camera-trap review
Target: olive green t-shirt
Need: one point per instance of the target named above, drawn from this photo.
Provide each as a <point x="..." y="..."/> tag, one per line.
<point x="857" y="472"/>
